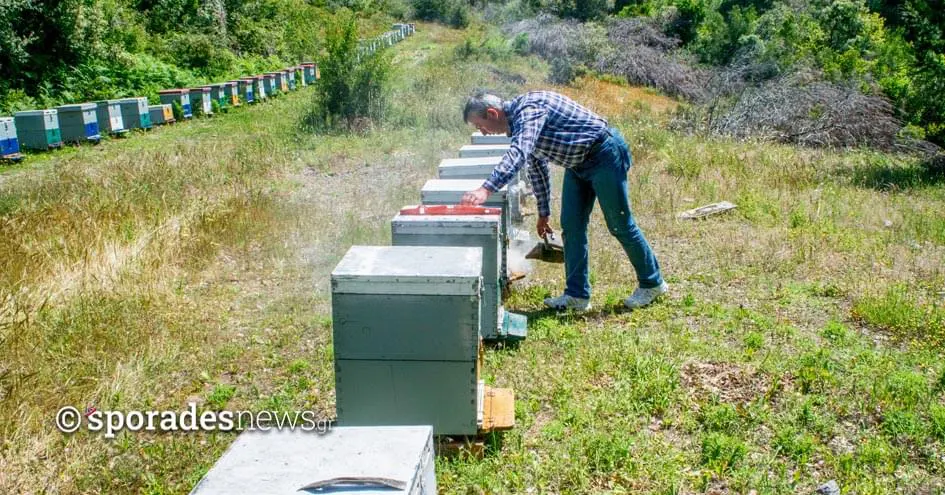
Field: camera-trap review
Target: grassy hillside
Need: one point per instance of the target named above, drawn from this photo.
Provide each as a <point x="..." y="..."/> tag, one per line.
<point x="801" y="343"/>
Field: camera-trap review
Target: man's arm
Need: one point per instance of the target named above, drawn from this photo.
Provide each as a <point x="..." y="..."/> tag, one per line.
<point x="522" y="146"/>
<point x="540" y="177"/>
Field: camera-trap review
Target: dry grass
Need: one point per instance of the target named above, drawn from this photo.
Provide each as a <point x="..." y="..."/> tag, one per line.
<point x="182" y="276"/>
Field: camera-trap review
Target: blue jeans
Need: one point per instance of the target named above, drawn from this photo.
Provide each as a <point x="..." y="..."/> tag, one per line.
<point x="603" y="176"/>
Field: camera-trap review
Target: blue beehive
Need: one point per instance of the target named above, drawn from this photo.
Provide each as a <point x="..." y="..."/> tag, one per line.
<point x="246" y="90"/>
<point x="79" y="123"/>
<point x="412" y="358"/>
<point x="9" y="144"/>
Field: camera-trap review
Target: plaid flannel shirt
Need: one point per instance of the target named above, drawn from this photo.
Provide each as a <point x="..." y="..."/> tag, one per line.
<point x="545" y="127"/>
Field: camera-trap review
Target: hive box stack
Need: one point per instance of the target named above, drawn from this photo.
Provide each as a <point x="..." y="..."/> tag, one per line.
<point x="218" y="95"/>
<point x="259" y="88"/>
<point x="308" y="70"/>
<point x="161" y="114"/>
<point x="247" y="92"/>
<point x="9" y="144"/>
<point x="200" y="101"/>
<point x="406" y="337"/>
<point x="468" y="168"/>
<point x="79" y="123"/>
<point x="231" y="92"/>
<point x="491" y="139"/>
<point x="38" y="129"/>
<point x="469" y="227"/>
<point x="179" y="96"/>
<point x="450" y="192"/>
<point x="108" y="113"/>
<point x="135" y="113"/>
<point x="359" y="461"/>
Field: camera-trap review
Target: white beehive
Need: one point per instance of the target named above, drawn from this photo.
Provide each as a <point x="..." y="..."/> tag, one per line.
<point x="480" y="138"/>
<point x="480" y="150"/>
<point x="360" y="461"/>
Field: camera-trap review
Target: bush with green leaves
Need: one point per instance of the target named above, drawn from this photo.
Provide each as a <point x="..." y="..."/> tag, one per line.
<point x="353" y="89"/>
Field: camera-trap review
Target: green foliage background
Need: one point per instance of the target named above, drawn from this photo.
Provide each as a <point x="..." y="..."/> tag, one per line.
<point x="54" y="52"/>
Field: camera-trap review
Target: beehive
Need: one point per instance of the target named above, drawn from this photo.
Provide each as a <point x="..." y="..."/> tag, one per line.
<point x="450" y="192"/>
<point x="290" y="77"/>
<point x="309" y="71"/>
<point x="481" y="150"/>
<point x="300" y="76"/>
<point x="38" y="129"/>
<point x="468" y="168"/>
<point x="161" y="114"/>
<point x="231" y="92"/>
<point x="135" y="113"/>
<point x="218" y="94"/>
<point x="416" y="227"/>
<point x="247" y="92"/>
<point x="405" y="324"/>
<point x="9" y="143"/>
<point x="200" y="101"/>
<point x="110" y="120"/>
<point x="179" y="96"/>
<point x="492" y="139"/>
<point x="259" y="88"/>
<point x="282" y="462"/>
<point x="275" y="84"/>
<point x="78" y="123"/>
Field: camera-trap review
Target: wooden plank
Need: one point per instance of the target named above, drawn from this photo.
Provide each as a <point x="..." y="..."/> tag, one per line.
<point x="498" y="410"/>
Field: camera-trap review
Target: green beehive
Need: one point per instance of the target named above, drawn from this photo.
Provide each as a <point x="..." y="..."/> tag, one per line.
<point x="300" y="76"/>
<point x="38" y="129"/>
<point x="218" y="94"/>
<point x="308" y="70"/>
<point x="405" y="323"/>
<point x="290" y="77"/>
<point x="109" y="116"/>
<point x="200" y="101"/>
<point x="259" y="88"/>
<point x="450" y="192"/>
<point x="414" y="227"/>
<point x="275" y="83"/>
<point x="78" y="123"/>
<point x="231" y="91"/>
<point x="135" y="113"/>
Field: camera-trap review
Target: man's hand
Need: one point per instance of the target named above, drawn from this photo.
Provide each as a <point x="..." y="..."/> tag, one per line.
<point x="542" y="227"/>
<point x="476" y="198"/>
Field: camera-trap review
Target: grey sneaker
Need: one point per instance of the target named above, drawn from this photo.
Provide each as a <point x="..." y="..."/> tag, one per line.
<point x="565" y="301"/>
<point x="642" y="297"/>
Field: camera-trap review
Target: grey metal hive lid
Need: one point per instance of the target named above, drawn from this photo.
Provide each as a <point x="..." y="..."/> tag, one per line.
<point x="451" y="190"/>
<point x="134" y="100"/>
<point x="446" y="224"/>
<point x="280" y="462"/>
<point x="108" y="102"/>
<point x="78" y="107"/>
<point x="491" y="147"/>
<point x="36" y="113"/>
<point x="468" y="162"/>
<point x="402" y="270"/>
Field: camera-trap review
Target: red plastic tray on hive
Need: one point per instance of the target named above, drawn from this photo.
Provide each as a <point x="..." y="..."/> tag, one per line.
<point x="438" y="210"/>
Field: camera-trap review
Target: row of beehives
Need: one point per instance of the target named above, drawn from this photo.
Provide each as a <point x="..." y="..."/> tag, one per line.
<point x="88" y="122"/>
<point x="408" y="321"/>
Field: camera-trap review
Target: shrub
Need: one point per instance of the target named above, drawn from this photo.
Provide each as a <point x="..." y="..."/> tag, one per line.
<point x="352" y="90"/>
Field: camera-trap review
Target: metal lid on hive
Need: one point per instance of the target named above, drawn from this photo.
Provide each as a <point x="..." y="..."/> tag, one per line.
<point x="409" y="270"/>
